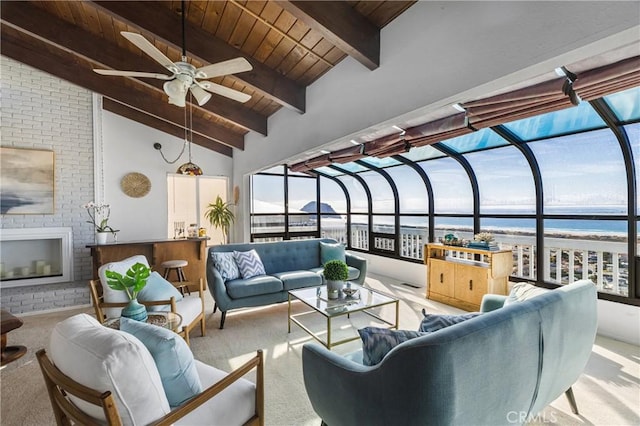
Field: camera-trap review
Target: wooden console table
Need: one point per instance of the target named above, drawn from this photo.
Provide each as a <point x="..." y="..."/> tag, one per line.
<point x="193" y="250"/>
<point x="462" y="282"/>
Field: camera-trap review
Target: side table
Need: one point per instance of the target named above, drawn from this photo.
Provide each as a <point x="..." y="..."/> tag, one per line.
<point x="9" y="322"/>
<point x="170" y="320"/>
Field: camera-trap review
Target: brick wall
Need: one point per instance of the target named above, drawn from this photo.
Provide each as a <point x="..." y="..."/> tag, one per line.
<point x="43" y="112"/>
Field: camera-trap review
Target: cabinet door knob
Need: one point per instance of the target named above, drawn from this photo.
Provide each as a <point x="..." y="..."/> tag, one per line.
<point x="470" y="284"/>
<point x="441" y="278"/>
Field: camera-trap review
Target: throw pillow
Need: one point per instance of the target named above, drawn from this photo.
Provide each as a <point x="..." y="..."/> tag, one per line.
<point x="331" y="252"/>
<point x="158" y="288"/>
<point x="377" y="342"/>
<point x="249" y="263"/>
<point x="435" y="322"/>
<point x="225" y="263"/>
<point x="173" y="358"/>
<point x="523" y="291"/>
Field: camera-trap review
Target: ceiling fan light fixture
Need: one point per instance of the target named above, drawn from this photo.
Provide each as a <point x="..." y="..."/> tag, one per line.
<point x="200" y="94"/>
<point x="175" y="89"/>
<point x="177" y="101"/>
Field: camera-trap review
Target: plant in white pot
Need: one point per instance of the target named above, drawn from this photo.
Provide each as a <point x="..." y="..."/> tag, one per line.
<point x="335" y="273"/>
<point x="219" y="214"/>
<point x="131" y="282"/>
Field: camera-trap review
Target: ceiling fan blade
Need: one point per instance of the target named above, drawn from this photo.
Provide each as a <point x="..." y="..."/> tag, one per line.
<point x="231" y="66"/>
<point x="134" y="74"/>
<point x="148" y="48"/>
<point x="224" y="91"/>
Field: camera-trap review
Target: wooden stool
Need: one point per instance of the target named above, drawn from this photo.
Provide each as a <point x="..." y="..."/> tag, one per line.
<point x="175" y="265"/>
<point x="9" y="322"/>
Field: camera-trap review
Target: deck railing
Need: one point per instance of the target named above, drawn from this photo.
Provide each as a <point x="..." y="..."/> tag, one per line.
<point x="567" y="259"/>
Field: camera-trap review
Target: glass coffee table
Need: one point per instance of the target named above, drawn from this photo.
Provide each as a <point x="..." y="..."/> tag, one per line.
<point x="364" y="300"/>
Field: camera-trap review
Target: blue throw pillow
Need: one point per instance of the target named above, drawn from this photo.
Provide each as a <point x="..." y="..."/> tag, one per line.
<point x="174" y="360"/>
<point x="377" y="342"/>
<point x="225" y="263"/>
<point x="435" y="322"/>
<point x="331" y="252"/>
<point x="158" y="288"/>
<point x="249" y="263"/>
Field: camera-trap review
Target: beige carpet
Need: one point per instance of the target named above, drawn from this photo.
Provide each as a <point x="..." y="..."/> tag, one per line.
<point x="607" y="394"/>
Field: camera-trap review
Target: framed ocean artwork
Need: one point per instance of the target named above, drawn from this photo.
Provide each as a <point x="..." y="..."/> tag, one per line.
<point x="26" y="181"/>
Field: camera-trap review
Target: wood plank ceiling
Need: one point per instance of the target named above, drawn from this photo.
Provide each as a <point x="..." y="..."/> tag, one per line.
<point x="290" y="44"/>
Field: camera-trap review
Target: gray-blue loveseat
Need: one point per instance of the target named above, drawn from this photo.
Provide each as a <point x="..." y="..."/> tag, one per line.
<point x="288" y="265"/>
<point x="499" y="368"/>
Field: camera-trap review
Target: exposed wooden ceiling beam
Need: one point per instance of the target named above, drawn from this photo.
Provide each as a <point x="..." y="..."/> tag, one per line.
<point x="163" y="126"/>
<point x="45" y="57"/>
<point x="341" y="25"/>
<point x="158" y="19"/>
<point x="71" y="38"/>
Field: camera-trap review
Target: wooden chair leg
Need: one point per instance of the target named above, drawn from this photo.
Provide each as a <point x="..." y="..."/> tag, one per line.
<point x="572" y="401"/>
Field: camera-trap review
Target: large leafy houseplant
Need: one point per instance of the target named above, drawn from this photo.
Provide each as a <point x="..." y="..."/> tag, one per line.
<point x="220" y="215"/>
<point x="131" y="282"/>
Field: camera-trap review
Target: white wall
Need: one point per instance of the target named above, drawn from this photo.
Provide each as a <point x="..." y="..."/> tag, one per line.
<point x="128" y="147"/>
<point x="433" y="55"/>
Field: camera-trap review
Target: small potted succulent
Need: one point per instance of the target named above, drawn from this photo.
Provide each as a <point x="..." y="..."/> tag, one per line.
<point x="131" y="282"/>
<point x="335" y="273"/>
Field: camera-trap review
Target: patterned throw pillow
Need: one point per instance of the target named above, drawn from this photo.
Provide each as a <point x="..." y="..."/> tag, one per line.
<point x="435" y="322"/>
<point x="249" y="263"/>
<point x="225" y="263"/>
<point x="377" y="342"/>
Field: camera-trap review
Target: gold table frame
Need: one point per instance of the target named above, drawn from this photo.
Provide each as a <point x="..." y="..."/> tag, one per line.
<point x="316" y="298"/>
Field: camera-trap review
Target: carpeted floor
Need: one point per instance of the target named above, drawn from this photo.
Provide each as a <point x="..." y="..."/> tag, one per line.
<point x="607" y="394"/>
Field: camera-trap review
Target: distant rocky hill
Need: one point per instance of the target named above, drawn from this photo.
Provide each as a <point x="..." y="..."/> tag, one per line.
<point x="325" y="210"/>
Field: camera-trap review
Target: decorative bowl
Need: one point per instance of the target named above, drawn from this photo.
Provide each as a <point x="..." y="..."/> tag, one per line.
<point x="349" y="291"/>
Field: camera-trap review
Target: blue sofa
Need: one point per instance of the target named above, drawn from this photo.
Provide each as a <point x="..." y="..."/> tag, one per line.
<point x="501" y="367"/>
<point x="288" y="265"/>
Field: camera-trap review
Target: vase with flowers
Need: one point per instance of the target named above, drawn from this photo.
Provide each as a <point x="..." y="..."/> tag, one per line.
<point x="99" y="214"/>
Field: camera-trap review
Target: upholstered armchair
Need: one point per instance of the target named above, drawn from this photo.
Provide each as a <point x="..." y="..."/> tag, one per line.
<point x="158" y="294"/>
<point x="146" y="375"/>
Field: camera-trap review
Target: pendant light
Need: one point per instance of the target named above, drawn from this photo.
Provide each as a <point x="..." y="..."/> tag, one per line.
<point x="189" y="168"/>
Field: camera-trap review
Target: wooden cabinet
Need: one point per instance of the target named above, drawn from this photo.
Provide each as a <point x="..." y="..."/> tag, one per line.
<point x="460" y="276"/>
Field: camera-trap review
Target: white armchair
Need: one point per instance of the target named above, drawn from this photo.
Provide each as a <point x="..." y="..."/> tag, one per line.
<point x="98" y="375"/>
<point x="108" y="303"/>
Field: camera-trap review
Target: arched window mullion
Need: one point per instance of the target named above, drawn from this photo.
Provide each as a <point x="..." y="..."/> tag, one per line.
<point x="537" y="181"/>
<point x="369" y="202"/>
<point x="347" y="198"/>
<point x="472" y="179"/>
<point x="607" y="115"/>
<point x="396" y="204"/>
<point x="428" y="186"/>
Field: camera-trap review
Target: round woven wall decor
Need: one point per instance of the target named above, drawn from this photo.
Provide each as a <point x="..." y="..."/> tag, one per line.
<point x="135" y="185"/>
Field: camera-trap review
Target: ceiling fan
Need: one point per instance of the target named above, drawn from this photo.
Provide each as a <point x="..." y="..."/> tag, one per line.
<point x="184" y="75"/>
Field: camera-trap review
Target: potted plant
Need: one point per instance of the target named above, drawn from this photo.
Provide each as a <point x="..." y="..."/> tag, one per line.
<point x="335" y="273"/>
<point x="132" y="282"/>
<point x="219" y="214"/>
<point x="99" y="214"/>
